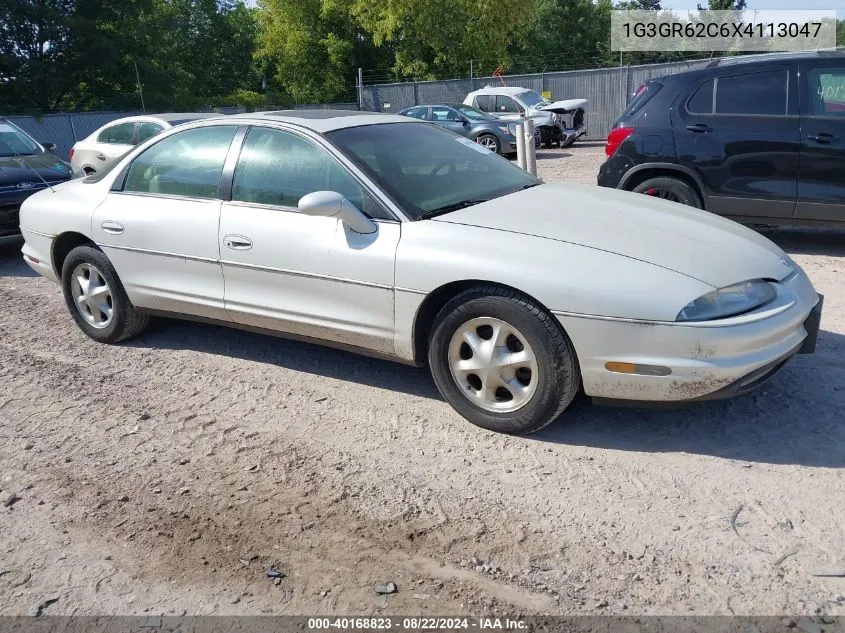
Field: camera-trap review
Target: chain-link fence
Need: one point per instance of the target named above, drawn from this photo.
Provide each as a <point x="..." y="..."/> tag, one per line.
<point x="66" y="128"/>
<point x="608" y="90"/>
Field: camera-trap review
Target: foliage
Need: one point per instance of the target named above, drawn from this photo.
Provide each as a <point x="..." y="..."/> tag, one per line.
<point x="190" y="54"/>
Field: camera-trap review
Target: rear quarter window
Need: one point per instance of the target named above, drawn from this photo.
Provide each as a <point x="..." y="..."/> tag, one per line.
<point x="642" y="96"/>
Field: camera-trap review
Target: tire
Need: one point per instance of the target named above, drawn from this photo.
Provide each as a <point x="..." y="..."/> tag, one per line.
<point x="670" y="188"/>
<point x="107" y="316"/>
<point x="546" y="137"/>
<point x="490" y="142"/>
<point x="542" y="392"/>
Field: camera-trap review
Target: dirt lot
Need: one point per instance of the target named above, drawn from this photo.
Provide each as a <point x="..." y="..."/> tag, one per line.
<point x="168" y="474"/>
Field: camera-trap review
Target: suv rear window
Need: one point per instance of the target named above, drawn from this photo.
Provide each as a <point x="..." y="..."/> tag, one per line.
<point x="642" y="96"/>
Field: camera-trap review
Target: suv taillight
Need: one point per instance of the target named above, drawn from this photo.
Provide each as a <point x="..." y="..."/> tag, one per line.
<point x="615" y="138"/>
<point x="70" y="156"/>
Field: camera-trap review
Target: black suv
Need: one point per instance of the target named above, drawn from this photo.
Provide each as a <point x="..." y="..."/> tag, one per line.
<point x="759" y="138"/>
<point x="26" y="166"/>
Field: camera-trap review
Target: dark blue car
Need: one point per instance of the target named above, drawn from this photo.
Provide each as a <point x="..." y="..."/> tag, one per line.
<point x="26" y="166"/>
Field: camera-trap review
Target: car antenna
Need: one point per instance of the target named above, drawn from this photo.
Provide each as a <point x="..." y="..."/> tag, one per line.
<point x="34" y="171"/>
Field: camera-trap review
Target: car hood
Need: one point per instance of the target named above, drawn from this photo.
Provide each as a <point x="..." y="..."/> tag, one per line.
<point x="567" y="105"/>
<point x="694" y="243"/>
<point x="20" y="170"/>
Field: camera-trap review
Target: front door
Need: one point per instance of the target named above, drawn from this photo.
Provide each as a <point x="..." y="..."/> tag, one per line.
<point x="740" y="133"/>
<point x="449" y="118"/>
<point x="300" y="274"/>
<point x="159" y="226"/>
<point x="821" y="184"/>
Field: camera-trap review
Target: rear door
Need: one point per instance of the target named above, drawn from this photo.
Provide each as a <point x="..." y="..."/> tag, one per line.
<point x="159" y="224"/>
<point x="739" y="130"/>
<point x="821" y="184"/>
<point x="112" y="143"/>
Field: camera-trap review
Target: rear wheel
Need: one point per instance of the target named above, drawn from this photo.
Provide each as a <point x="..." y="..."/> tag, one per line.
<point x="502" y="361"/>
<point x="672" y="189"/>
<point x="96" y="298"/>
<point x="489" y="141"/>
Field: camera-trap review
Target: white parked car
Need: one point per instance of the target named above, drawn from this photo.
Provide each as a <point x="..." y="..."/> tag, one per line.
<point x="560" y="122"/>
<point x="106" y="144"/>
<point x="401" y="239"/>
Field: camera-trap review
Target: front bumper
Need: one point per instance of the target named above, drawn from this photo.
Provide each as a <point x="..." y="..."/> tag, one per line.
<point x="706" y="361"/>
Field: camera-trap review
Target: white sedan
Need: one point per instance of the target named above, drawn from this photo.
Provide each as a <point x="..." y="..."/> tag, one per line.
<point x="108" y="143"/>
<point x="400" y="239"/>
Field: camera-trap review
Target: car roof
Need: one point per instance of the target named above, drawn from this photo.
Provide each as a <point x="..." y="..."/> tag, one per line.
<point x="775" y="57"/>
<point x="500" y="90"/>
<point x="320" y="120"/>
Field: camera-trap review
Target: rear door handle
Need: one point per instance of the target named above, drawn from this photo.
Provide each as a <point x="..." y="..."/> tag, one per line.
<point x="237" y="242"/>
<point x="824" y="138"/>
<point x="101" y="156"/>
<point x="699" y="127"/>
<point x="110" y="226"/>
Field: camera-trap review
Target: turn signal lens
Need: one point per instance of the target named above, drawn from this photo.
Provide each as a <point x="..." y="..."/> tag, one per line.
<point x="642" y="370"/>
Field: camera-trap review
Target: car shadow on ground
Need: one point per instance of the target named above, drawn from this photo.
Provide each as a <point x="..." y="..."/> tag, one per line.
<point x="12" y="263"/>
<point x="796" y="418"/>
<point x="807" y="241"/>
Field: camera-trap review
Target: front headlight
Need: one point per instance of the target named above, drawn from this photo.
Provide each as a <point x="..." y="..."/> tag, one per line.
<point x="729" y="301"/>
<point x="504" y="129"/>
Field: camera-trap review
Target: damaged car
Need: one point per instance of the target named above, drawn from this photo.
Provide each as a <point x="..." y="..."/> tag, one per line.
<point x="560" y="123"/>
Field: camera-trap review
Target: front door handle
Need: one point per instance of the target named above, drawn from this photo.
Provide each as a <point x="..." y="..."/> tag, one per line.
<point x="825" y="138"/>
<point x="101" y="157"/>
<point x="237" y="242"/>
<point x="699" y="127"/>
<point x="110" y="226"/>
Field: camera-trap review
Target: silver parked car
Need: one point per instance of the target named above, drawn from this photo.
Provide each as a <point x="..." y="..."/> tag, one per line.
<point x="400" y="239"/>
<point x="108" y="143"/>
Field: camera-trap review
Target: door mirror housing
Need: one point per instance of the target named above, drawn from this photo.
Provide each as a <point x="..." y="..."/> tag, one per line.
<point x="333" y="205"/>
<point x="50" y="147"/>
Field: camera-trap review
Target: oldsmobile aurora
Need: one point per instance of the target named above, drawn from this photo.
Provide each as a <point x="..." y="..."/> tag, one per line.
<point x="401" y="239"/>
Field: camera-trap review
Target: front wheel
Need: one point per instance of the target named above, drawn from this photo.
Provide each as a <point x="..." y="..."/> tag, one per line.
<point x="489" y="141"/>
<point x="502" y="361"/>
<point x="96" y="298"/>
<point x="670" y="188"/>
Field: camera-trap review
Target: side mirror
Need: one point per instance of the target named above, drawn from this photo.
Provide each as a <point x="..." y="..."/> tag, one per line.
<point x="334" y="205"/>
<point x="50" y="147"/>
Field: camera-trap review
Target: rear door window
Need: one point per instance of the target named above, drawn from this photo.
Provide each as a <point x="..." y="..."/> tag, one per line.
<point x="148" y="130"/>
<point x="420" y="113"/>
<point x="120" y="134"/>
<point x="486" y="103"/>
<point x="762" y="93"/>
<point x="827" y="91"/>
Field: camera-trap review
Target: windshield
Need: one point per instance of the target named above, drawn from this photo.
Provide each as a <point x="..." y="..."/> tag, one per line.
<point x="428" y="170"/>
<point x="531" y="98"/>
<point x="15" y="142"/>
<point x="473" y="113"/>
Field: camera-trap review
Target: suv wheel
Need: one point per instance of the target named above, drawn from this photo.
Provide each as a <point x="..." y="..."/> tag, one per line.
<point x="672" y="189"/>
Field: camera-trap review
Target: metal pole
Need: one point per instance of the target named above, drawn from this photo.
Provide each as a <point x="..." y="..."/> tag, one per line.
<point x="140" y="91"/>
<point x="360" y="89"/>
<point x="471" y="76"/>
<point x="520" y="144"/>
<point x="530" y="150"/>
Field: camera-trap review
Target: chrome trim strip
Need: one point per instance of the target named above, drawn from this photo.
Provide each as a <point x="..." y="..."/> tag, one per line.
<point x="23" y="228"/>
<point x="298" y="273"/>
<point x="729" y="322"/>
<point x="411" y="290"/>
<point x="145" y="251"/>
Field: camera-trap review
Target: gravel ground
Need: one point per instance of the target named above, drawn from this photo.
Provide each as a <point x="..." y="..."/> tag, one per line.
<point x="167" y="474"/>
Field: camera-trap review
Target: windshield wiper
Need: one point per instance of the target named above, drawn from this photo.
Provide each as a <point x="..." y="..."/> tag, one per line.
<point x="463" y="204"/>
